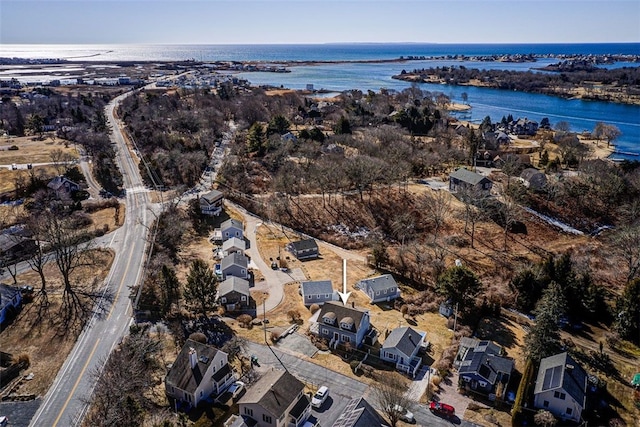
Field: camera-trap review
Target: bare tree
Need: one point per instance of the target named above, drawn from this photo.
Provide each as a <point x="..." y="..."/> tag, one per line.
<point x="437" y="206"/>
<point x="627" y="244"/>
<point x="605" y="131"/>
<point x="61" y="160"/>
<point x="389" y="393"/>
<point x="41" y="255"/>
<point x="475" y="205"/>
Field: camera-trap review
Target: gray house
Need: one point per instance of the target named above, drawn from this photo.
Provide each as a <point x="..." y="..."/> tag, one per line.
<point x="317" y="292"/>
<point x="277" y="399"/>
<point x="561" y="387"/>
<point x="304" y="249"/>
<point x="198" y="372"/>
<point x="234" y="295"/>
<point x="380" y="288"/>
<point x="234" y="264"/>
<point x="401" y="348"/>
<point x="231" y="228"/>
<point x="10" y="301"/>
<point x="339" y="324"/>
<point x="359" y="413"/>
<point x="533" y="178"/>
<point x="466" y="180"/>
<point x="211" y="203"/>
<point x="233" y="244"/>
<point x="481" y="367"/>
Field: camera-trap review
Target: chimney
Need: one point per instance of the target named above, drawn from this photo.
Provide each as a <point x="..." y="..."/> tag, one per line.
<point x="193" y="357"/>
<point x="353" y="304"/>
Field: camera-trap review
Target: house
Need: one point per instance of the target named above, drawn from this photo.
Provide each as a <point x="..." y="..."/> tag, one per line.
<point x="198" y="372"/>
<point x="289" y="137"/>
<point x="533" y="178"/>
<point x="277" y="399"/>
<point x="340" y="324"/>
<point x="317" y="292"/>
<point x="482" y="368"/>
<point x="10" y="300"/>
<point x="231" y="228"/>
<point x="14" y="247"/>
<point x="494" y="139"/>
<point x="234" y="264"/>
<point x="211" y="203"/>
<point x="446" y="309"/>
<point x="359" y="413"/>
<point x="233" y="294"/>
<point x="466" y="180"/>
<point x="304" y="249"/>
<point x="401" y="348"/>
<point x="233" y="245"/>
<point x="561" y="387"/>
<point x="62" y="186"/>
<point x="524" y="127"/>
<point x="380" y="288"/>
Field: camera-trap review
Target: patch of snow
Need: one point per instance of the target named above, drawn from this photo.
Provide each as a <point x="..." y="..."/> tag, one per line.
<point x="561" y="225"/>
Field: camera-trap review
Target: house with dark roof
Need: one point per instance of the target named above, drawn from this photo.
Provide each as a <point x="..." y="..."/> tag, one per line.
<point x="211" y="203"/>
<point x="14" y="246"/>
<point x="340" y="324"/>
<point x="277" y="399"/>
<point x="401" y="348"/>
<point x="62" y="186"/>
<point x="233" y="244"/>
<point x="561" y="387"/>
<point x="231" y="228"/>
<point x="380" y="288"/>
<point x="304" y="249"/>
<point x="235" y="264"/>
<point x="465" y="180"/>
<point x="10" y="301"/>
<point x="198" y="372"/>
<point x="317" y="292"/>
<point x="482" y="368"/>
<point x="359" y="413"/>
<point x="234" y="295"/>
<point x="533" y="178"/>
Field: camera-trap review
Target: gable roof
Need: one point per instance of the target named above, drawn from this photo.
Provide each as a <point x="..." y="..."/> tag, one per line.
<point x="231" y="223"/>
<point x="302" y="245"/>
<point x="359" y="413"/>
<point x="342" y="314"/>
<point x="468" y="176"/>
<point x="212" y="196"/>
<point x="61" y="182"/>
<point x="233" y="283"/>
<point x="483" y="358"/>
<point x="380" y="283"/>
<point x="181" y="375"/>
<point x="405" y="339"/>
<point x="561" y="371"/>
<point x="316" y="287"/>
<point x="274" y="391"/>
<point x="233" y="242"/>
<point x="235" y="258"/>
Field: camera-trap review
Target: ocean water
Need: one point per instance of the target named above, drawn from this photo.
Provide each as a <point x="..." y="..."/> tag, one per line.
<point x="340" y="76"/>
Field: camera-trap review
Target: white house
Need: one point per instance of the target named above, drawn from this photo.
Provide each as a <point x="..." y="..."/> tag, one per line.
<point x="380" y="288"/>
<point x="561" y="387"/>
<point x="401" y="348"/>
<point x="198" y="372"/>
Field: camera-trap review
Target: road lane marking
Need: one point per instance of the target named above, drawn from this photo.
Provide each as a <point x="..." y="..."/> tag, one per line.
<point x="75" y="385"/>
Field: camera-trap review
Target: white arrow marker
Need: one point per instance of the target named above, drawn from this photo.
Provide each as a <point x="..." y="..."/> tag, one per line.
<point x="344" y="295"/>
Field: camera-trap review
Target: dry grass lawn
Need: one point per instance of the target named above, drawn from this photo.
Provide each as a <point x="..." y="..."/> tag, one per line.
<point x="30" y="151"/>
<point x="45" y="340"/>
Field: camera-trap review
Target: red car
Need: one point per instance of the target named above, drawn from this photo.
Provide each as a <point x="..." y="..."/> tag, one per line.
<point x="442" y="409"/>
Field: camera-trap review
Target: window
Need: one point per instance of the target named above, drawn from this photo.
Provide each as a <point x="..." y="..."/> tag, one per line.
<point x="221" y="363"/>
<point x="466" y="379"/>
<point x="391" y="356"/>
<point x="559" y="395"/>
<point x="243" y="298"/>
<point x="266" y="419"/>
<point x="569" y="411"/>
<point x="482" y="383"/>
<point x="308" y="296"/>
<point x="377" y="292"/>
<point x="325" y="331"/>
<point x="345" y="338"/>
<point x="327" y="295"/>
<point x="223" y="300"/>
<point x="545" y="403"/>
<point x="201" y="393"/>
<point x="248" y="411"/>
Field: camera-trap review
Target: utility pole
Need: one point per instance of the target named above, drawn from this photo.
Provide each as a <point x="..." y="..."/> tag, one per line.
<point x="455" y="319"/>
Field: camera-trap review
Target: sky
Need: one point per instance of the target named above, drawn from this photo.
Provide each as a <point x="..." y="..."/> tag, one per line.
<point x="314" y="21"/>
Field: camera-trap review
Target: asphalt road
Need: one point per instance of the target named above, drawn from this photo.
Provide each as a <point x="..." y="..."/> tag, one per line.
<point x="65" y="403"/>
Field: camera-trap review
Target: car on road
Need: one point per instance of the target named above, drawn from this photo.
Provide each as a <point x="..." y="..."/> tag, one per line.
<point x="404" y="414"/>
<point x="442" y="409"/>
<point x="320" y="396"/>
<point x="236" y="388"/>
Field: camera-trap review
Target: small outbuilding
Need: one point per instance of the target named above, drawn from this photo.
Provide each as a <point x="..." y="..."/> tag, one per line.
<point x="304" y="249"/>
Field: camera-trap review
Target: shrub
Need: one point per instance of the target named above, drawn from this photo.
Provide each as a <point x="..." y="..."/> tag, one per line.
<point x="353" y="365"/>
<point x="13" y="148"/>
<point x="314" y="308"/>
<point x="275" y="336"/>
<point x="473" y="406"/>
<point x="244" y="320"/>
<point x="294" y="316"/>
<point x="198" y="337"/>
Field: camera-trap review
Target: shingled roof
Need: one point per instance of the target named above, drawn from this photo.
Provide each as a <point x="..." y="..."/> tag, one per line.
<point x="405" y="339"/>
<point x="181" y="375"/>
<point x="274" y="391"/>
<point x="337" y="310"/>
<point x="561" y="371"/>
<point x="468" y="176"/>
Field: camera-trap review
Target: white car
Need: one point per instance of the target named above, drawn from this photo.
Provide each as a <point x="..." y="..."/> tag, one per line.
<point x="405" y="415"/>
<point x="236" y="388"/>
<point x="320" y="396"/>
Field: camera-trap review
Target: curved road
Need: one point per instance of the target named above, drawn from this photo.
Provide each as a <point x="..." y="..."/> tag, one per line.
<point x="64" y="403"/>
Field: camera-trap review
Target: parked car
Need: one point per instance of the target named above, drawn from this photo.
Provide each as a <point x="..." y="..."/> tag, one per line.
<point x="405" y="415"/>
<point x="320" y="396"/>
<point x="236" y="388"/>
<point x="442" y="409"/>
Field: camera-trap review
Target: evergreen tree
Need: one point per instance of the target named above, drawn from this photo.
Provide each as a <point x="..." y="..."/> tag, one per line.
<point x="170" y="287"/>
<point x="628" y="312"/>
<point x="343" y="126"/>
<point x="278" y="124"/>
<point x="256" y="140"/>
<point x="459" y="285"/>
<point x="543" y="338"/>
<point x="201" y="286"/>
